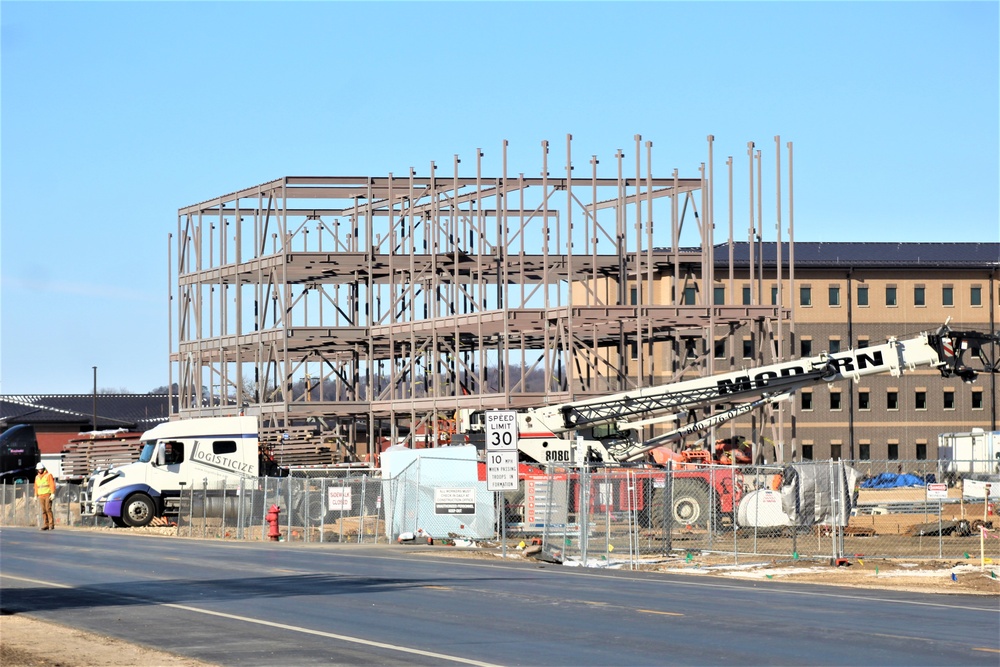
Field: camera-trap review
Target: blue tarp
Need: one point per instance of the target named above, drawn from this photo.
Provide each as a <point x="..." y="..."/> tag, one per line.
<point x="890" y="480"/>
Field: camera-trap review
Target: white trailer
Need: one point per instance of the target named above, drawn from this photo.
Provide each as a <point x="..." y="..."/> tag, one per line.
<point x="977" y="451"/>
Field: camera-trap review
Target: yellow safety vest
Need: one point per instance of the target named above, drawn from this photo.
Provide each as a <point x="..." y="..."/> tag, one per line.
<point x="45" y="485"/>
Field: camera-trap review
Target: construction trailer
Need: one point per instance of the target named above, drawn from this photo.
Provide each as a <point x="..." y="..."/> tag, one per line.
<point x="976" y="451"/>
<point x="349" y="313"/>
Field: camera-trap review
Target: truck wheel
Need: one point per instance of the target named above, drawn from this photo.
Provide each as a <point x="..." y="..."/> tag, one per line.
<point x="690" y="503"/>
<point x="314" y="514"/>
<point x="138" y="510"/>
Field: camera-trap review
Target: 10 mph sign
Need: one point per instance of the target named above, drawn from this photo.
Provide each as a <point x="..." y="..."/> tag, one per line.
<point x="501" y="450"/>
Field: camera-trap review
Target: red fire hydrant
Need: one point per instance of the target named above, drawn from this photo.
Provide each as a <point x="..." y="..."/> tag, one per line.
<point x="272" y="522"/>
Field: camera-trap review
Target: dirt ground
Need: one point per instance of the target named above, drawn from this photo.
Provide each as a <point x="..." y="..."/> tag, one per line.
<point x="945" y="577"/>
<point x="26" y="642"/>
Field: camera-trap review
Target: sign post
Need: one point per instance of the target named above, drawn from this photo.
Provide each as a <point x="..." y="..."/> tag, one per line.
<point x="938" y="492"/>
<point x="501" y="460"/>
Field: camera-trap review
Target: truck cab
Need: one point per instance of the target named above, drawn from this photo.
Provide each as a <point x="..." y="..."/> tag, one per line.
<point x="18" y="454"/>
<point x="178" y="455"/>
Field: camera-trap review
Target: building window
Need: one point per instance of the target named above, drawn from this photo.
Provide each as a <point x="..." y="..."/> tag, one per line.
<point x="834" y="295"/>
<point x="691" y="348"/>
<point x="977" y="399"/>
<point x="746" y="296"/>
<point x="774" y="296"/>
<point x="690" y="296"/>
<point x="633" y="296"/>
<point x="807" y="452"/>
<point x="835" y="452"/>
<point x="949" y="399"/>
<point x="890" y="296"/>
<point x="747" y="348"/>
<point x="921" y="451"/>
<point x="864" y="400"/>
<point x="865" y="451"/>
<point x="862" y="342"/>
<point x="893" y="451"/>
<point x="805" y="296"/>
<point x="920" y="399"/>
<point x="834" y="345"/>
<point x="918" y="296"/>
<point x="720" y="348"/>
<point x="892" y="400"/>
<point x="835" y="400"/>
<point x="862" y="295"/>
<point x="976" y="295"/>
<point x="947" y="295"/>
<point x="807" y="400"/>
<point x="807" y="347"/>
<point x="720" y="295"/>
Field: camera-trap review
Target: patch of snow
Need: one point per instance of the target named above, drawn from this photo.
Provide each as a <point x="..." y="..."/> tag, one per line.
<point x="765" y="572"/>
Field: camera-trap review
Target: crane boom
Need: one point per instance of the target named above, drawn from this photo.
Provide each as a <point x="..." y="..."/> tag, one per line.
<point x="893" y="357"/>
<point x="540" y="428"/>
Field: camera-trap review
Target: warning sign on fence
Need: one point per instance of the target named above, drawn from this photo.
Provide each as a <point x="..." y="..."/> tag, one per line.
<point x="454" y="501"/>
<point x="937" y="491"/>
<point x="339" y="499"/>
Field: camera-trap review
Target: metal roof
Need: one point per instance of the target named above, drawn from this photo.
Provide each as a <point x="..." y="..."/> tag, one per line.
<point x="869" y="255"/>
<point x="133" y="411"/>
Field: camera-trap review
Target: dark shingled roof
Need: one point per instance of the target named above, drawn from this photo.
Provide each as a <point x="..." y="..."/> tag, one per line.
<point x="870" y="255"/>
<point x="137" y="412"/>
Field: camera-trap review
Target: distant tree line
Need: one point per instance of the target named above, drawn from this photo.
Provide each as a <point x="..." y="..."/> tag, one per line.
<point x="422" y="385"/>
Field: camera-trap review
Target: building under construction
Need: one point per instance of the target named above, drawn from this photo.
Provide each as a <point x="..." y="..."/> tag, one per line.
<point x="353" y="312"/>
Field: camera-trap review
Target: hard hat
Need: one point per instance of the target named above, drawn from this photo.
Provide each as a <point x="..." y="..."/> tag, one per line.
<point x="40" y="466"/>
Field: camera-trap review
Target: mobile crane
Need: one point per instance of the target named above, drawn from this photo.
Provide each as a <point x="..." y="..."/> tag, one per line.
<point x="608" y="427"/>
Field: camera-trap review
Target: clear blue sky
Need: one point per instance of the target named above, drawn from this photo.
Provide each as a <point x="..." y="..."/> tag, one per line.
<point x="114" y="115"/>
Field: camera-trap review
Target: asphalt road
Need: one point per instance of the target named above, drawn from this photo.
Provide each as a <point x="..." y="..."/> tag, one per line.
<point x="309" y="604"/>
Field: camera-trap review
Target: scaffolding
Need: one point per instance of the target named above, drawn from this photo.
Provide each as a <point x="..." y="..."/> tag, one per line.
<point x="351" y="312"/>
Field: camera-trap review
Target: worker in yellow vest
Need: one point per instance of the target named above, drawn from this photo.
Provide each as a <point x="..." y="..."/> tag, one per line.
<point x="45" y="489"/>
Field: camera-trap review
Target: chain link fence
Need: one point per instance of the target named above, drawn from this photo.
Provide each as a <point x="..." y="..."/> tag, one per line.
<point x="890" y="509"/>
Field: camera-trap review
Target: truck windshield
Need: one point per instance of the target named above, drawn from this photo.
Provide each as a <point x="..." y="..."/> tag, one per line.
<point x="147" y="452"/>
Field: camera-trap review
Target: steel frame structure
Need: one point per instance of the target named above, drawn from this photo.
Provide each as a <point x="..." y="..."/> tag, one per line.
<point x="339" y="308"/>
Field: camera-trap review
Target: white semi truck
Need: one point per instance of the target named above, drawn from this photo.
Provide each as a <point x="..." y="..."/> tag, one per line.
<point x="176" y="455"/>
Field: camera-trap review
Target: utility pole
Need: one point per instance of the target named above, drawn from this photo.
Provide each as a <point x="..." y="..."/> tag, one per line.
<point x="95" y="398"/>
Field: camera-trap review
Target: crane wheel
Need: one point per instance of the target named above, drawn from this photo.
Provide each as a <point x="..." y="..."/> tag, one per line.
<point x="689" y="504"/>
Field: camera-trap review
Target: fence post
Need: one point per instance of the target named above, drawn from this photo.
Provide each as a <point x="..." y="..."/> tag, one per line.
<point x="364" y="510"/>
<point x="324" y="503"/>
<point x="240" y="511"/>
<point x="225" y="501"/>
<point x="668" y="512"/>
<point x="204" y="506"/>
<point x="732" y="492"/>
<point x="343" y="486"/>
<point x="584" y="518"/>
<point x="713" y="502"/>
<point x="263" y="508"/>
<point x="306" y="508"/>
<point x="288" y="516"/>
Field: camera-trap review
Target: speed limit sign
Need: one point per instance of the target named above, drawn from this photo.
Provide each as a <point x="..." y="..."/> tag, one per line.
<point x="501" y="450"/>
<point x="501" y="430"/>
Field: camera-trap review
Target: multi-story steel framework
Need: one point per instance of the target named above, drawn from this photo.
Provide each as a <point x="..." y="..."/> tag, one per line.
<point x="342" y="308"/>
